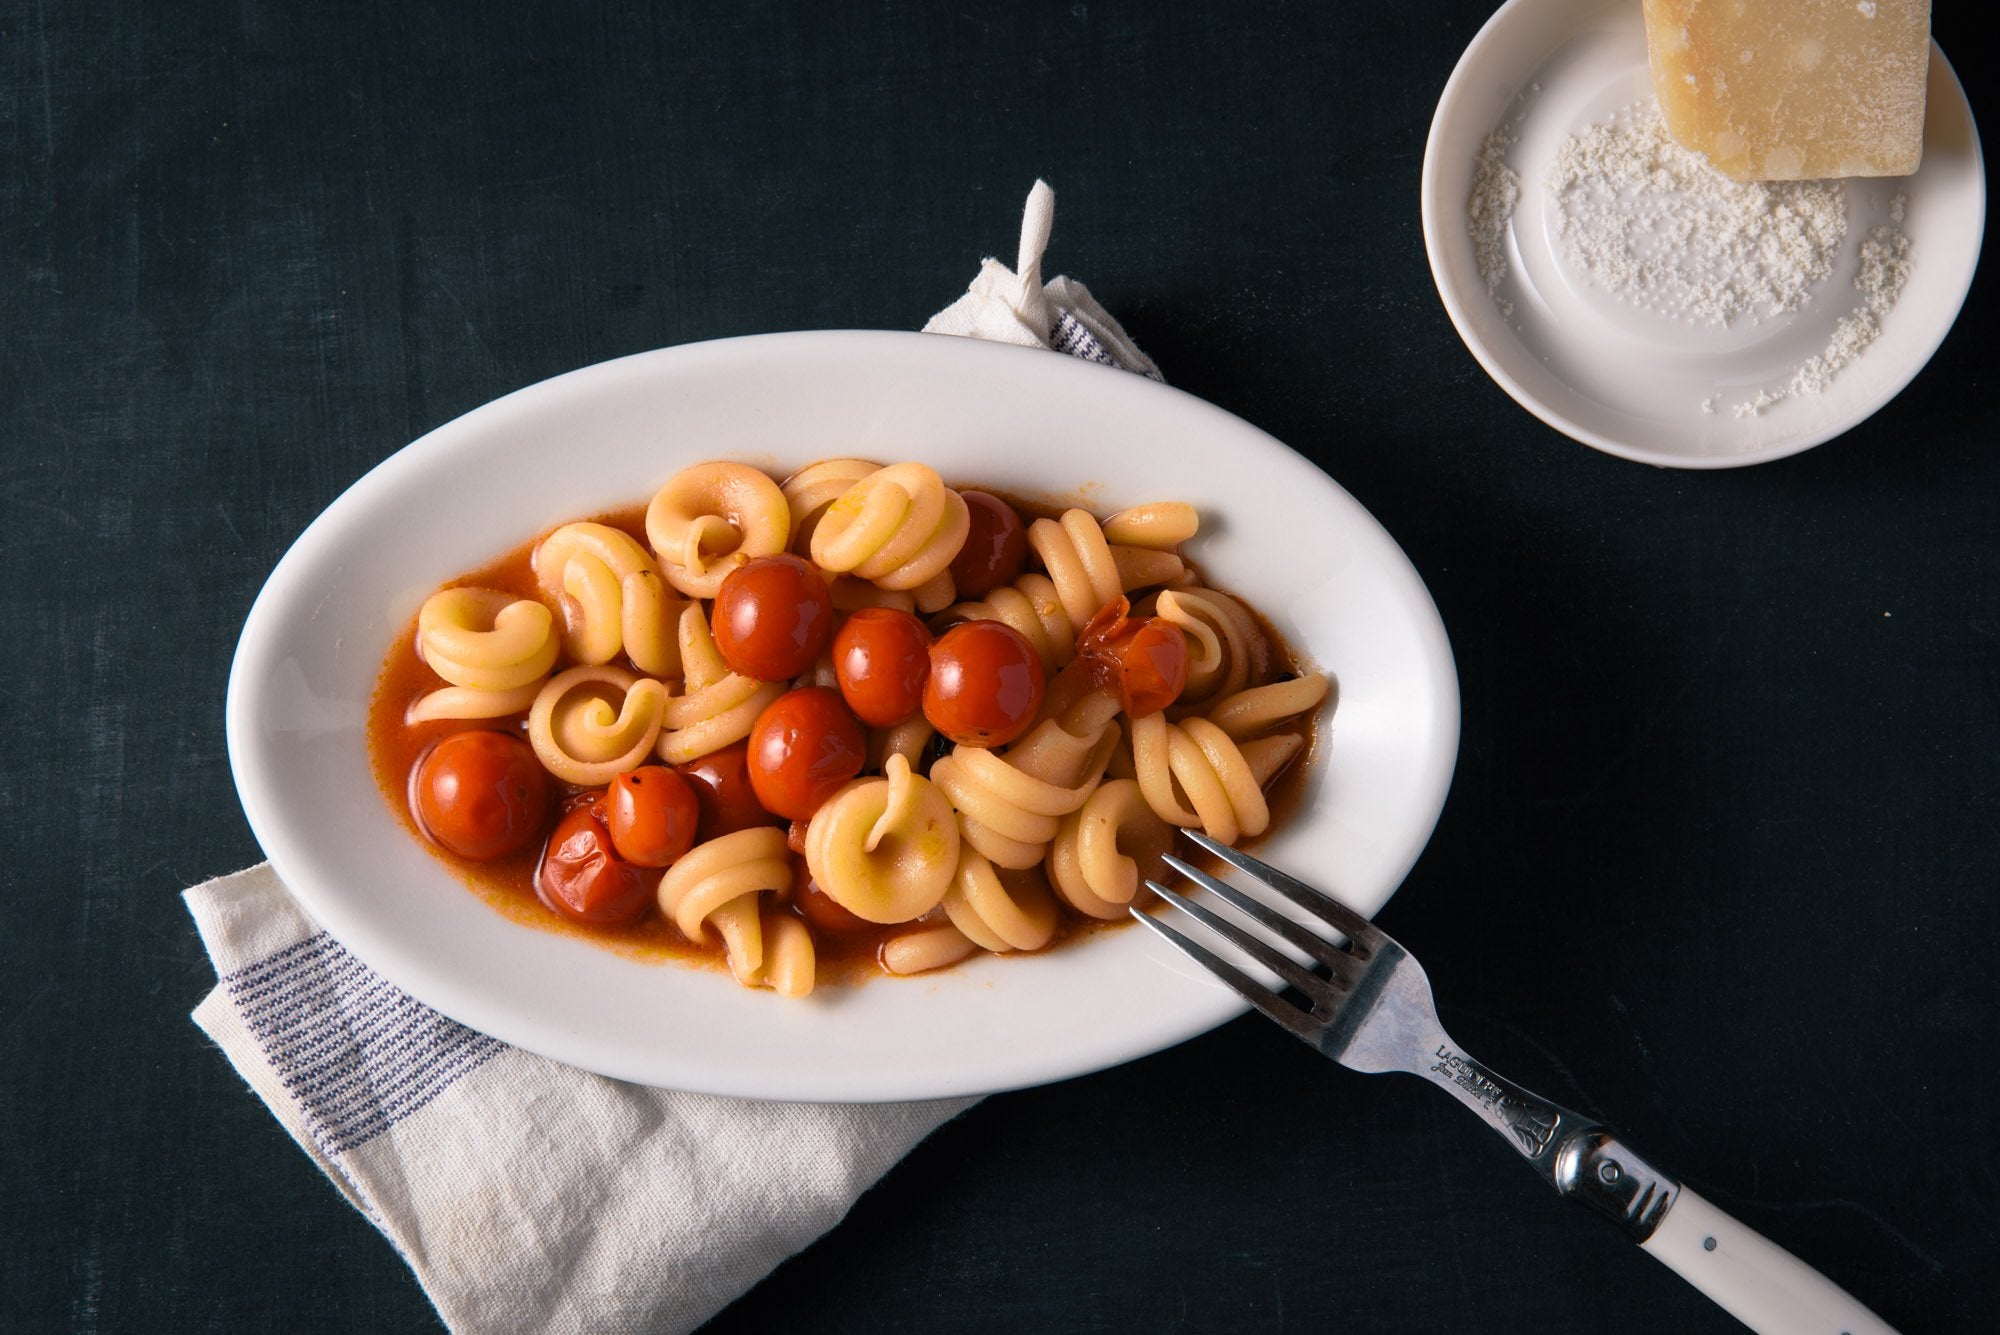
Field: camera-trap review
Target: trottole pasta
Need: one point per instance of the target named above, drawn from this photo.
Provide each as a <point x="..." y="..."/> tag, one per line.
<point x="899" y="528"/>
<point x="710" y="519"/>
<point x="614" y="597"/>
<point x="716" y="707"/>
<point x="601" y="649"/>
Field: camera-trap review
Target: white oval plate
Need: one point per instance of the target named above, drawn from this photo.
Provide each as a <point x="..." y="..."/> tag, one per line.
<point x="1638" y="384"/>
<point x="1275" y="528"/>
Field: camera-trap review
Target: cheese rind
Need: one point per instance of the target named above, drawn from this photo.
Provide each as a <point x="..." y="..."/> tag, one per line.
<point x="1792" y="90"/>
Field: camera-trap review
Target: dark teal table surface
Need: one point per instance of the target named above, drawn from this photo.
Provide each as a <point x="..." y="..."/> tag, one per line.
<point x="1719" y="864"/>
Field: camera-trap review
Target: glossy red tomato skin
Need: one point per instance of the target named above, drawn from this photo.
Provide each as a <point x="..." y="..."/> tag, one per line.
<point x="652" y="815"/>
<point x="996" y="546"/>
<point x="986" y="684"/>
<point x="804" y="746"/>
<point x="581" y="875"/>
<point x="481" y="794"/>
<point x="773" y="618"/>
<point x="882" y="658"/>
<point x="723" y="794"/>
<point x="821" y="910"/>
<point x="1143" y="659"/>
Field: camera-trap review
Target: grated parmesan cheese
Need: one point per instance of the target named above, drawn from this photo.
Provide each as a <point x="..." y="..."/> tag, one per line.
<point x="1655" y="226"/>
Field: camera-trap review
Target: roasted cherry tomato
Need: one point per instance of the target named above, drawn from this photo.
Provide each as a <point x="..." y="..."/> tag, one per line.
<point x="996" y="547"/>
<point x="1143" y="659"/>
<point x="820" y="909"/>
<point x="986" y="684"/>
<point x="722" y="791"/>
<point x="652" y="815"/>
<point x="804" y="746"/>
<point x="481" y="794"/>
<point x="582" y="876"/>
<point x="772" y="618"/>
<point x="882" y="658"/>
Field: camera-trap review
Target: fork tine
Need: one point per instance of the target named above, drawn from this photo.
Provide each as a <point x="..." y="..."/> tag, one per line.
<point x="1317" y="947"/>
<point x="1258" y="949"/>
<point x="1263" y="998"/>
<point x="1322" y="906"/>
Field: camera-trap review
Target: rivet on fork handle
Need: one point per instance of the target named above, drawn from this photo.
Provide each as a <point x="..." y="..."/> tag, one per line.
<point x="1595" y="1168"/>
<point x="1574" y="1154"/>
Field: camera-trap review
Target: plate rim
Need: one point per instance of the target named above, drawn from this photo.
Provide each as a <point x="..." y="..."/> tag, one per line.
<point x="323" y="533"/>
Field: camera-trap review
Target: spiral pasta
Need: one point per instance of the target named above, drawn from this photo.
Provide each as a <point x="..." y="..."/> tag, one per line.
<point x="885" y="849"/>
<point x="998" y="914"/>
<point x="612" y="597"/>
<point x="1226" y="648"/>
<point x="1095" y="858"/>
<point x="711" y="518"/>
<point x="1087" y="570"/>
<point x="790" y="961"/>
<point x="813" y="488"/>
<point x="900" y="527"/>
<point x="719" y="885"/>
<point x="719" y="707"/>
<point x="1160" y="526"/>
<point x="1009" y="807"/>
<point x="593" y="722"/>
<point x="1260" y="708"/>
<point x="927" y="947"/>
<point x="468" y="702"/>
<point x="907" y="739"/>
<point x="851" y="595"/>
<point x="1031" y="606"/>
<point x="485" y="639"/>
<point x="1222" y="779"/>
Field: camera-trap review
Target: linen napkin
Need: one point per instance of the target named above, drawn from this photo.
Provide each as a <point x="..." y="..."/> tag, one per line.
<point x="1015" y="306"/>
<point x="527" y="1195"/>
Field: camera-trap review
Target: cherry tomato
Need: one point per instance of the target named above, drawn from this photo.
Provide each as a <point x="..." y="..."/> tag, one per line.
<point x="1143" y="659"/>
<point x="882" y="658"/>
<point x="653" y="815"/>
<point x="986" y="684"/>
<point x="722" y="791"/>
<point x="820" y="909"/>
<point x="996" y="547"/>
<point x="804" y="746"/>
<point x="582" y="876"/>
<point x="481" y="794"/>
<point x="773" y="617"/>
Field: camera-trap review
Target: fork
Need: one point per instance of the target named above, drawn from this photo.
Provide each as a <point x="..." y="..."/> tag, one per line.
<point x="1368" y="1006"/>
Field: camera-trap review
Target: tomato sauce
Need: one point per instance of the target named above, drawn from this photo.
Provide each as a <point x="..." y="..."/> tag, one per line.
<point x="507" y="884"/>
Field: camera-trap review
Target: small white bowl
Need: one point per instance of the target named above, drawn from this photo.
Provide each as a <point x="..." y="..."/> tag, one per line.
<point x="1632" y="382"/>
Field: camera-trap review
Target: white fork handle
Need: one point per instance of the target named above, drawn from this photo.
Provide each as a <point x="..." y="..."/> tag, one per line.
<point x="1752" y="1278"/>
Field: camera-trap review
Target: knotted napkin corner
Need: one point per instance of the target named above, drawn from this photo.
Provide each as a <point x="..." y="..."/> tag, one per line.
<point x="1015" y="306"/>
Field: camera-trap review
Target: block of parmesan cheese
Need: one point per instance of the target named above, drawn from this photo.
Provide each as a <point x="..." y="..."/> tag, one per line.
<point x="1791" y="90"/>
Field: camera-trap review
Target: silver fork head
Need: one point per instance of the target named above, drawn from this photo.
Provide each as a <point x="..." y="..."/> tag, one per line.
<point x="1338" y="992"/>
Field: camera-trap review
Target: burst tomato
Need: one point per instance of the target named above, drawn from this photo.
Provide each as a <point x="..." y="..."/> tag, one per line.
<point x="1143" y="659"/>
<point x="582" y="876"/>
